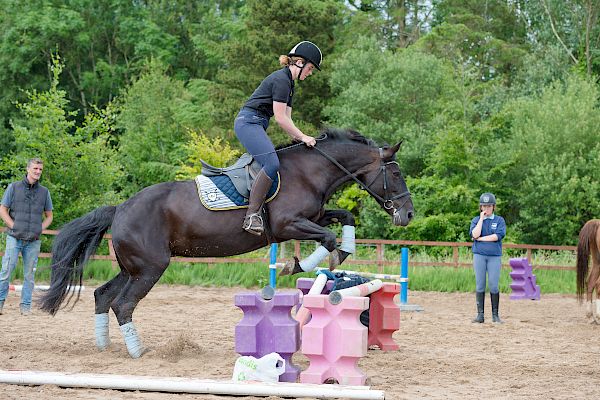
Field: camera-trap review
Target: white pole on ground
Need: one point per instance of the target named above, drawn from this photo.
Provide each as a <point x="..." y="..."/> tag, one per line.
<point x="18" y="288"/>
<point x="188" y="385"/>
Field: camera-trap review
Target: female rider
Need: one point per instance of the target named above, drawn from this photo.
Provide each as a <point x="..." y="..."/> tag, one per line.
<point x="273" y="97"/>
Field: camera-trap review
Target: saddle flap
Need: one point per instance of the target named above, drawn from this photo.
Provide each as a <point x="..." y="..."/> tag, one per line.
<point x="209" y="170"/>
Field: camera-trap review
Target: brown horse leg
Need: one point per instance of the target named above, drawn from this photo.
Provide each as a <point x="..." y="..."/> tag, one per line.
<point x="345" y="218"/>
<point x="594" y="279"/>
<point x="591" y="285"/>
<point x="303" y="229"/>
<point x="142" y="278"/>
<point x="103" y="297"/>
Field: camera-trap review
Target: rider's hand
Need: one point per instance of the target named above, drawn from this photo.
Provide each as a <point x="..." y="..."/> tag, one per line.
<point x="309" y="140"/>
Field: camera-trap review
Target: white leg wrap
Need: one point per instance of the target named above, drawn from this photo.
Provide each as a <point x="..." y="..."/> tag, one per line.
<point x="348" y="239"/>
<point x="102" y="338"/>
<point x="311" y="262"/>
<point x="597" y="302"/>
<point x="132" y="340"/>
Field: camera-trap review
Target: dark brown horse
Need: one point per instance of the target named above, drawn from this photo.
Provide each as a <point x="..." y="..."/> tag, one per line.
<point x="589" y="243"/>
<point x="167" y="219"/>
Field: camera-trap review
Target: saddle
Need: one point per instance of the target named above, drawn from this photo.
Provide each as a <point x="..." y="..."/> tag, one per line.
<point x="241" y="173"/>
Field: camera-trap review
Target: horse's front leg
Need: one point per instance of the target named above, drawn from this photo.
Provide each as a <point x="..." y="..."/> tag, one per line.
<point x="593" y="283"/>
<point x="348" y="245"/>
<point x="304" y="229"/>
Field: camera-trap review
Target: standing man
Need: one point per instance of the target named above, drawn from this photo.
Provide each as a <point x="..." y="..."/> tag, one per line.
<point x="26" y="209"/>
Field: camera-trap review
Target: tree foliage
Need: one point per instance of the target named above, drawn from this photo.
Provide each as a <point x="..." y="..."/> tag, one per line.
<point x="497" y="96"/>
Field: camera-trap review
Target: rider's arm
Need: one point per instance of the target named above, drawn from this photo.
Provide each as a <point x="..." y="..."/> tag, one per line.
<point x="283" y="116"/>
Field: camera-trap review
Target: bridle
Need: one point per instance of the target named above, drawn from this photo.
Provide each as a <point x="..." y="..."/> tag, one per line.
<point x="387" y="201"/>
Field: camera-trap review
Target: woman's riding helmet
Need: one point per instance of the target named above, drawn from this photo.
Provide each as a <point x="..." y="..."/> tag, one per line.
<point x="487" y="199"/>
<point x="309" y="51"/>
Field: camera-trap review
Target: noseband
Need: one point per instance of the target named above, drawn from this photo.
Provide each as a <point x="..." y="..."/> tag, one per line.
<point x="387" y="201"/>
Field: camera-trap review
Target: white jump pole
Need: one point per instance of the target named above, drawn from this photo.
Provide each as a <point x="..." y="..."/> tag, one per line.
<point x="18" y="288"/>
<point x="188" y="385"/>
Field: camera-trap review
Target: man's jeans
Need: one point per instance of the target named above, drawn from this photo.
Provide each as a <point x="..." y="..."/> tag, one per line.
<point x="30" y="251"/>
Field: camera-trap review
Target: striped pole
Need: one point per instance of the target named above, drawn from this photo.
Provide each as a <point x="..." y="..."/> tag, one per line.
<point x="404" y="276"/>
<point x="273" y="266"/>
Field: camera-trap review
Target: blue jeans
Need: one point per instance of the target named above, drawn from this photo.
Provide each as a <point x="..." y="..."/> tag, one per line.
<point x="491" y="265"/>
<point x="30" y="251"/>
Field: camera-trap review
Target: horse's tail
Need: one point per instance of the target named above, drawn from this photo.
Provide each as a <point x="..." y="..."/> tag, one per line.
<point x="73" y="246"/>
<point x="587" y="236"/>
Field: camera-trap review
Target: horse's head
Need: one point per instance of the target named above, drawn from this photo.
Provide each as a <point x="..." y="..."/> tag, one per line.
<point x="384" y="180"/>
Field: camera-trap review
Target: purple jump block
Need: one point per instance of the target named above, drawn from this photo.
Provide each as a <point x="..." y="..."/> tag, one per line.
<point x="523" y="281"/>
<point x="267" y="326"/>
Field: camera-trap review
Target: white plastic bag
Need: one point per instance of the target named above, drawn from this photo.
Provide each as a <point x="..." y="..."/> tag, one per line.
<point x="264" y="369"/>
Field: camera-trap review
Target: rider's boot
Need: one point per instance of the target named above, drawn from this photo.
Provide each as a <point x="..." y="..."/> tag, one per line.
<point x="480" y="297"/>
<point x="495" y="303"/>
<point x="253" y="222"/>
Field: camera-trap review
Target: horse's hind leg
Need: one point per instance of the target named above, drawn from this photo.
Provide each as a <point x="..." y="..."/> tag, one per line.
<point x="136" y="288"/>
<point x="594" y="283"/>
<point x="103" y="296"/>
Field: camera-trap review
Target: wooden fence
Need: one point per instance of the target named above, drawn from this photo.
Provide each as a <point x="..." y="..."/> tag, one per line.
<point x="380" y="261"/>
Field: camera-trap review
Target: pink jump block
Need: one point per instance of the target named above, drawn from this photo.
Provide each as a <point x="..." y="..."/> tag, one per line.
<point x="384" y="317"/>
<point x="523" y="280"/>
<point x="334" y="340"/>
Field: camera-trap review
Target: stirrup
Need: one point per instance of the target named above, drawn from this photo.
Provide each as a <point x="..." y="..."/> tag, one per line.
<point x="252" y="227"/>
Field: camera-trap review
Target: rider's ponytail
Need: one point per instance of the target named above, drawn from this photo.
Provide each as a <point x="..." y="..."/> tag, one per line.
<point x="286" y="61"/>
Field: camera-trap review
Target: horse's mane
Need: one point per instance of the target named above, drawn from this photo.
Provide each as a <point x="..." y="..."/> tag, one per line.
<point x="336" y="135"/>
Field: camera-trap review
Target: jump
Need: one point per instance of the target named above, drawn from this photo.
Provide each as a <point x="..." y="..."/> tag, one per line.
<point x="167" y="219"/>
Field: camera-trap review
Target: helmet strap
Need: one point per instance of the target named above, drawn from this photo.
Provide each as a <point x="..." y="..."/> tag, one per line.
<point x="301" y="69"/>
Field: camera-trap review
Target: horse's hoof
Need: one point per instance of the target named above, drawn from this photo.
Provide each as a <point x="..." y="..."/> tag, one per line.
<point x="291" y="267"/>
<point x="334" y="259"/>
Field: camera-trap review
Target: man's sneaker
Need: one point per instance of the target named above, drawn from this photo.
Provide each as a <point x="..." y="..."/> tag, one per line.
<point x="25" y="310"/>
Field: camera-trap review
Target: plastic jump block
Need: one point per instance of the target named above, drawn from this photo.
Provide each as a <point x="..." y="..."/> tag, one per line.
<point x="334" y="340"/>
<point x="304" y="285"/>
<point x="384" y="317"/>
<point x="523" y="280"/>
<point x="267" y="326"/>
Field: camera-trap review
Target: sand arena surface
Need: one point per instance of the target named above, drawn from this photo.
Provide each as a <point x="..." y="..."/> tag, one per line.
<point x="545" y="349"/>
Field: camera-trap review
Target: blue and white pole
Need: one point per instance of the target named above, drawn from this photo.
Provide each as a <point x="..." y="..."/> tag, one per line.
<point x="404" y="276"/>
<point x="273" y="266"/>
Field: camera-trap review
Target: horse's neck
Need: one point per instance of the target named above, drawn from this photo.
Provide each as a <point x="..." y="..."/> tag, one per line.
<point x="316" y="168"/>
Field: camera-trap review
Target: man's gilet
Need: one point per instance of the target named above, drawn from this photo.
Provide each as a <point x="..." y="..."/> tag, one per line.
<point x="26" y="210"/>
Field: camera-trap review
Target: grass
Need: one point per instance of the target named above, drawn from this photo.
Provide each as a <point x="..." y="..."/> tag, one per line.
<point x="440" y="279"/>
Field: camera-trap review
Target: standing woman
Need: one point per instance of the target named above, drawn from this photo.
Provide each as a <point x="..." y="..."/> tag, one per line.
<point x="487" y="231"/>
<point x="273" y="97"/>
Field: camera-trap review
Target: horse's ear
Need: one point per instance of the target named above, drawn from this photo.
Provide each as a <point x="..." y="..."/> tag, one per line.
<point x="390" y="152"/>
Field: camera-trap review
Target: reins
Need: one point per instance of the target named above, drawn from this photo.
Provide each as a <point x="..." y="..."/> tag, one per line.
<point x="388" y="203"/>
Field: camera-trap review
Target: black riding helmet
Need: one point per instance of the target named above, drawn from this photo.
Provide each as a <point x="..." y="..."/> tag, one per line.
<point x="309" y="51"/>
<point x="487" y="199"/>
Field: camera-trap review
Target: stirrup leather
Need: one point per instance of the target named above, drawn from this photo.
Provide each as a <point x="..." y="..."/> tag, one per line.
<point x="253" y="223"/>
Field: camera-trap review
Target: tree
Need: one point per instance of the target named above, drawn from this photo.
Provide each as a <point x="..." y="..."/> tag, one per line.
<point x="407" y="95"/>
<point x="79" y="167"/>
<point x="551" y="160"/>
<point x="153" y="133"/>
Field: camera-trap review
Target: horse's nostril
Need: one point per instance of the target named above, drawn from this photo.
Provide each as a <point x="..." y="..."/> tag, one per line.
<point x="410" y="215"/>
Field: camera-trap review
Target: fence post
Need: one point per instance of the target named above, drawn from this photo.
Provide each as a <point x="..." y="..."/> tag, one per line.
<point x="380" y="255"/>
<point x="455" y="256"/>
<point x="113" y="262"/>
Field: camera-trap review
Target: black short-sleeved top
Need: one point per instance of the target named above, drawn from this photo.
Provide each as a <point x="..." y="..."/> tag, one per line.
<point x="279" y="86"/>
